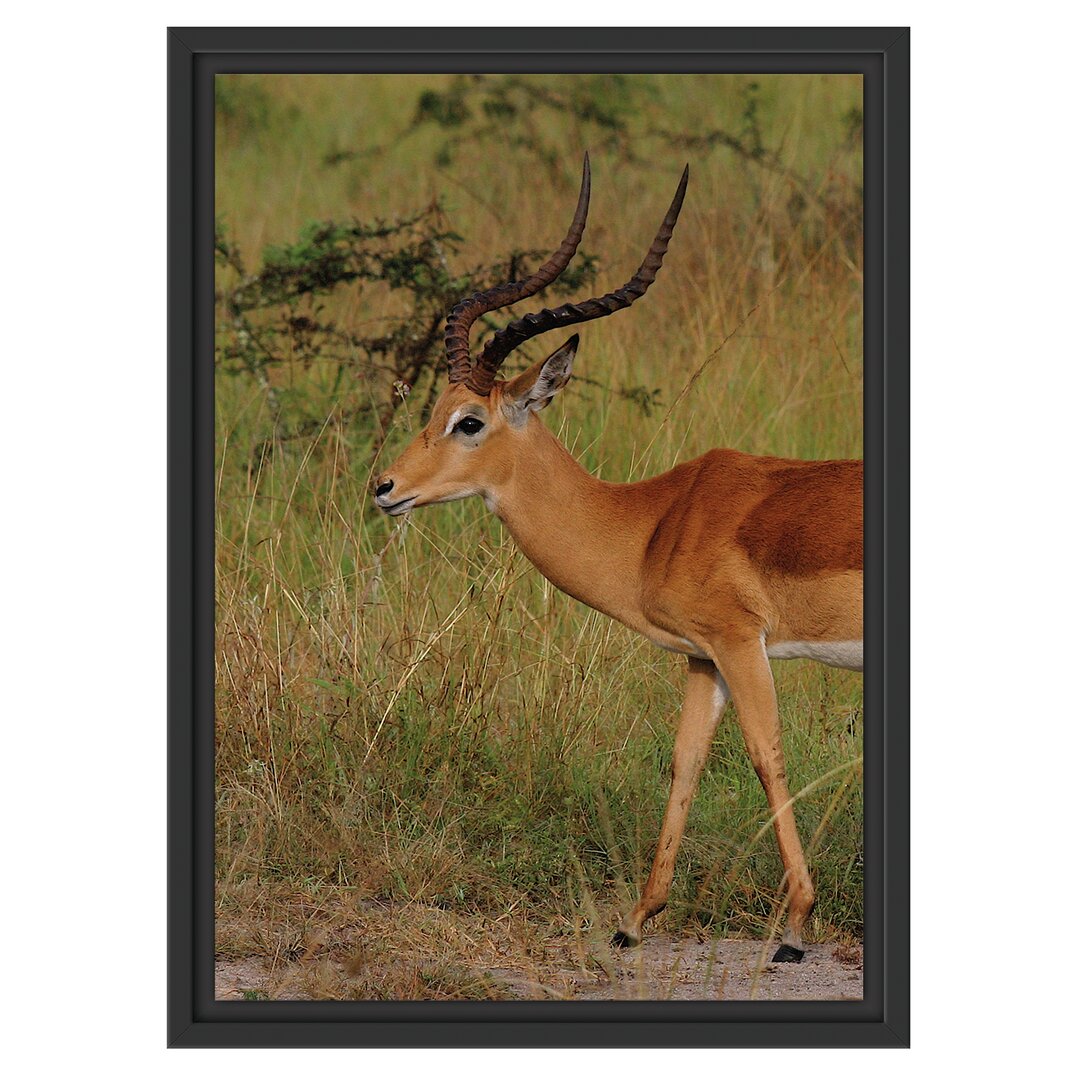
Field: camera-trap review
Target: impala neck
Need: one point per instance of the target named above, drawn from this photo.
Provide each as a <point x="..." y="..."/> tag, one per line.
<point x="579" y="532"/>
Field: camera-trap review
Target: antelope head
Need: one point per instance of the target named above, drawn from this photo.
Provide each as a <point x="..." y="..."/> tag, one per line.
<point x="481" y="425"/>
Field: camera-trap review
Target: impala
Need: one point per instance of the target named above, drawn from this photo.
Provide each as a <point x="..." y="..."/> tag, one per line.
<point x="729" y="559"/>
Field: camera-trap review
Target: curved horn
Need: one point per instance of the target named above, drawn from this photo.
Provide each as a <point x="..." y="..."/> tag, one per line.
<point x="512" y="335"/>
<point x="467" y="311"/>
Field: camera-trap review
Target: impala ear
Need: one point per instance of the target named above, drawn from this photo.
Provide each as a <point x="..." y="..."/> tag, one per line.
<point x="535" y="387"/>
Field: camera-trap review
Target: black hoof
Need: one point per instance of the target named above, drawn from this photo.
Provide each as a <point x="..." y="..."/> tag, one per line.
<point x="624" y="941"/>
<point x="788" y="954"/>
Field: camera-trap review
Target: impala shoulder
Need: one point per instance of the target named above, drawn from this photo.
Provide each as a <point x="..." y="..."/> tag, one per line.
<point x="678" y="495"/>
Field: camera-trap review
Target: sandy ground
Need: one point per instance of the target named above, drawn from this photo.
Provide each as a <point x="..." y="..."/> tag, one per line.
<point x="665" y="968"/>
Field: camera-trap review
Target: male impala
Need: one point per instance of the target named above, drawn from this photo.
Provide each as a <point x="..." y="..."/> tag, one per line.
<point x="728" y="559"/>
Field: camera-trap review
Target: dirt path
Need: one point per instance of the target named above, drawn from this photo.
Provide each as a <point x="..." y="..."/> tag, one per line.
<point x="666" y="967"/>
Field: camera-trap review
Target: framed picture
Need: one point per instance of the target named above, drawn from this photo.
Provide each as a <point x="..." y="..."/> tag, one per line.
<point x="529" y="684"/>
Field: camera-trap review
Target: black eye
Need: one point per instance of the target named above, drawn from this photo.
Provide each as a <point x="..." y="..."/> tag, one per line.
<point x="469" y="425"/>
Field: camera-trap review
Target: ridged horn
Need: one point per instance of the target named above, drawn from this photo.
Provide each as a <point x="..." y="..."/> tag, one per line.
<point x="467" y="311"/>
<point x="512" y="335"/>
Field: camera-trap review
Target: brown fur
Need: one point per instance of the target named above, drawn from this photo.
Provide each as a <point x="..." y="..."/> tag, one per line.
<point x="810" y="522"/>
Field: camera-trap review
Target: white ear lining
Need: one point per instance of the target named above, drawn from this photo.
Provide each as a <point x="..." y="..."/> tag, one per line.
<point x="550" y="380"/>
<point x="553" y="375"/>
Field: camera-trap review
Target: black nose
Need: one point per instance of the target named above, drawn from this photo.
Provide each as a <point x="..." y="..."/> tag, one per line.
<point x="385" y="487"/>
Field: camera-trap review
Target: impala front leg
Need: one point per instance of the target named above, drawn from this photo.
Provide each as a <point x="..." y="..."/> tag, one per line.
<point x="706" y="696"/>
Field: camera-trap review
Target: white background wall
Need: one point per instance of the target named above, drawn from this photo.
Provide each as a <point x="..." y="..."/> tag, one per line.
<point x="994" y="377"/>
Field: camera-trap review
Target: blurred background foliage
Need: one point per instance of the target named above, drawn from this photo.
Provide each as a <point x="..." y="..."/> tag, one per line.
<point x="406" y="710"/>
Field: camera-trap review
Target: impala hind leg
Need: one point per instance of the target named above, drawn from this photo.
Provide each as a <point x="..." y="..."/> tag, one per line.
<point x="746" y="668"/>
<point x="706" y="696"/>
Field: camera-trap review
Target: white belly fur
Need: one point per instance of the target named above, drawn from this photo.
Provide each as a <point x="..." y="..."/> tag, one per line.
<point x="678" y="645"/>
<point x="841" y="654"/>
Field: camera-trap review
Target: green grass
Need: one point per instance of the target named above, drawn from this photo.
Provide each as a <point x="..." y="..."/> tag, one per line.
<point x="406" y="712"/>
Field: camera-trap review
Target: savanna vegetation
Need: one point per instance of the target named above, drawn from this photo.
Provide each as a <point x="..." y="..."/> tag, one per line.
<point x="430" y="764"/>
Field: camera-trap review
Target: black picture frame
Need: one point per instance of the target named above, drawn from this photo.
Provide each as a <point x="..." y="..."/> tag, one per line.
<point x="882" y="56"/>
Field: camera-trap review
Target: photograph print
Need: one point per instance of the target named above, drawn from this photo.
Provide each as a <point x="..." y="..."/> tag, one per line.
<point x="538" y="537"/>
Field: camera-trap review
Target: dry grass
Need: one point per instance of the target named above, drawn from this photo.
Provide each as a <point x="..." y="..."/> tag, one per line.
<point x="421" y="745"/>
